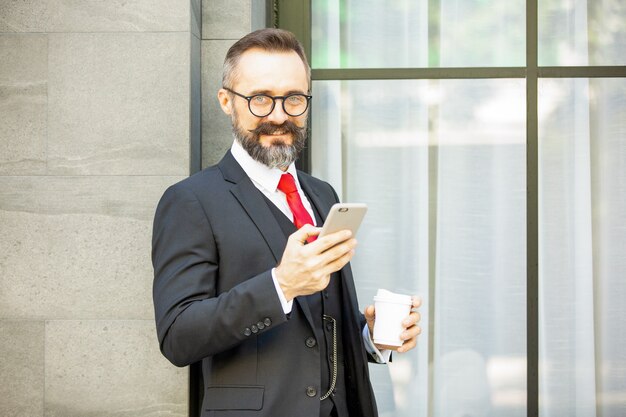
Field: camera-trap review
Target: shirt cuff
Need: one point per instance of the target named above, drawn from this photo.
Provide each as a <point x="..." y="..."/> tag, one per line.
<point x="287" y="305"/>
<point x="380" y="356"/>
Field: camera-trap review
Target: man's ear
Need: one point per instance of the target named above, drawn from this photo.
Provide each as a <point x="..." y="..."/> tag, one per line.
<point x="225" y="101"/>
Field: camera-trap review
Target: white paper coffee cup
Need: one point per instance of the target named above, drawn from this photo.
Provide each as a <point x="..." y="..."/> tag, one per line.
<point x="391" y="309"/>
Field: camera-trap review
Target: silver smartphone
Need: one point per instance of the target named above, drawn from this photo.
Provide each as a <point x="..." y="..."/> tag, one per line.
<point x="344" y="216"/>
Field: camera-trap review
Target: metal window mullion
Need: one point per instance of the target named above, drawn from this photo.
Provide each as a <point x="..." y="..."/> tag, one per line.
<point x="582" y="72"/>
<point x="434" y="55"/>
<point x="532" y="211"/>
<point x="417" y="73"/>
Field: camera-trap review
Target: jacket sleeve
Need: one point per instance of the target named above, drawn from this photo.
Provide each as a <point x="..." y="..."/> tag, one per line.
<point x="192" y="320"/>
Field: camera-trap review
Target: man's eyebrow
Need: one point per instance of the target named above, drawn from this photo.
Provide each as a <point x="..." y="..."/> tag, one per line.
<point x="254" y="92"/>
<point x="295" y="92"/>
<point x="269" y="93"/>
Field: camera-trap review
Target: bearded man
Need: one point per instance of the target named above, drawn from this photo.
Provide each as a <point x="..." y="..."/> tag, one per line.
<point x="241" y="281"/>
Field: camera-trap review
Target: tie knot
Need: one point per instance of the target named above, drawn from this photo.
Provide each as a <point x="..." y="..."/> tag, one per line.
<point x="287" y="184"/>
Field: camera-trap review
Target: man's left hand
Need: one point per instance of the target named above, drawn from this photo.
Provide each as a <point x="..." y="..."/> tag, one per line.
<point x="410" y="323"/>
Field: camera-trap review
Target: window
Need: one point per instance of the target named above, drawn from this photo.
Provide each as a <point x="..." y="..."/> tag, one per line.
<point x="489" y="140"/>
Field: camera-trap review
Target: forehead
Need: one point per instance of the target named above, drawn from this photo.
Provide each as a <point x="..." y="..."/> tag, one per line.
<point x="275" y="72"/>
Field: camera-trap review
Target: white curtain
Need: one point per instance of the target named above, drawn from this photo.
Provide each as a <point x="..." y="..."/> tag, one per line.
<point x="582" y="248"/>
<point x="444" y="177"/>
<point x="582" y="163"/>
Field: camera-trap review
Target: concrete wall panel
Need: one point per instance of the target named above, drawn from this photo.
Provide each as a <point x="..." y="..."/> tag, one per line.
<point x="21" y="368"/>
<point x="216" y="127"/>
<point x="110" y="368"/>
<point x="77" y="246"/>
<point x="94" y="16"/>
<point x="118" y="99"/>
<point x="225" y="19"/>
<point x="23" y="96"/>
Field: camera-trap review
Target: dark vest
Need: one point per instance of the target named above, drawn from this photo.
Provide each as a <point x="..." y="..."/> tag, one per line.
<point x="327" y="302"/>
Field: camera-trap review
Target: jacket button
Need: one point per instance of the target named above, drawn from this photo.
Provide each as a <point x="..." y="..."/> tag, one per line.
<point x="311" y="392"/>
<point x="267" y="322"/>
<point x="260" y="325"/>
<point x="254" y="328"/>
<point x="310" y="342"/>
<point x="247" y="332"/>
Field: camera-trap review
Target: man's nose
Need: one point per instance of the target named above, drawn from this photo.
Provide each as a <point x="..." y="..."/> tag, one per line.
<point x="278" y="115"/>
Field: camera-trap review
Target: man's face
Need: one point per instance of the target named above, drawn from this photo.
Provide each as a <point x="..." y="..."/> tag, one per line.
<point x="277" y="138"/>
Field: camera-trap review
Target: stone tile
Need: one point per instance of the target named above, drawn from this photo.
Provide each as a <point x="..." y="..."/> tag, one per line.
<point x="94" y="16"/>
<point x="77" y="247"/>
<point x="225" y="19"/>
<point x="216" y="127"/>
<point x="23" y="95"/>
<point x="21" y="368"/>
<point x="259" y="17"/>
<point x="110" y="368"/>
<point x="196" y="18"/>
<point x="118" y="104"/>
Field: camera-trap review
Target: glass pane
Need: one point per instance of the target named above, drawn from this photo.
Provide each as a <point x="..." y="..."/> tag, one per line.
<point x="582" y="265"/>
<point x="441" y="165"/>
<point x="417" y="33"/>
<point x="582" y="32"/>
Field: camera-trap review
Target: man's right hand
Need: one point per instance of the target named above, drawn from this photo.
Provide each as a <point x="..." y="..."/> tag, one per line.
<point x="305" y="269"/>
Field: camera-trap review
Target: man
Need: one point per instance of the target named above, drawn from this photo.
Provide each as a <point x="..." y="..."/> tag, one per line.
<point x="269" y="309"/>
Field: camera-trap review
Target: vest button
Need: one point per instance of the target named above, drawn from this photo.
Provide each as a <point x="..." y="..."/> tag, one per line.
<point x="311" y="392"/>
<point x="310" y="342"/>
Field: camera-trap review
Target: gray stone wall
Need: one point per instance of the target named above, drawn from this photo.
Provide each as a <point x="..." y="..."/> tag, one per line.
<point x="223" y="23"/>
<point x="99" y="113"/>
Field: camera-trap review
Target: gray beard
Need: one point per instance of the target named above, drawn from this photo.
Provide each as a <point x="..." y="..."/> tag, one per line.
<point x="278" y="155"/>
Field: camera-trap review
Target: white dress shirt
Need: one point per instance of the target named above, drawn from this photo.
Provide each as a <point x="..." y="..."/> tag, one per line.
<point x="266" y="180"/>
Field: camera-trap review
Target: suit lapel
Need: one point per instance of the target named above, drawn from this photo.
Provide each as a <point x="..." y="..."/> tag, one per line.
<point x="252" y="201"/>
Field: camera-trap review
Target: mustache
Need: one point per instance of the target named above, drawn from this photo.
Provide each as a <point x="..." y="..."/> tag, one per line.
<point x="270" y="128"/>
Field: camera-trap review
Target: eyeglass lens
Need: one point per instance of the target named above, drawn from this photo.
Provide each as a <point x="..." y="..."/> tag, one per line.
<point x="294" y="104"/>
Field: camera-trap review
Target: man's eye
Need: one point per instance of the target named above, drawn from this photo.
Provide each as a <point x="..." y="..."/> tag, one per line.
<point x="260" y="99"/>
<point x="297" y="99"/>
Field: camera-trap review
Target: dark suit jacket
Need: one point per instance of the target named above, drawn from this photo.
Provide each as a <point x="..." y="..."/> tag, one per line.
<point x="215" y="241"/>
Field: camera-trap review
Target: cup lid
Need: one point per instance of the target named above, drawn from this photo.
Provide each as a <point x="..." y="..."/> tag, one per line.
<point x="388" y="296"/>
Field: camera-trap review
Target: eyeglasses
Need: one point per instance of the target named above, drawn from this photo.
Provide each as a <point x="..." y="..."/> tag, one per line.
<point x="262" y="105"/>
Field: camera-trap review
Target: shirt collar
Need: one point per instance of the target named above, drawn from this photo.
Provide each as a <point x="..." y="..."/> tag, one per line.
<point x="267" y="177"/>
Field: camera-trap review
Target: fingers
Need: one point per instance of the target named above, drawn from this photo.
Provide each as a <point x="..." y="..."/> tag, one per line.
<point x="306" y="268"/>
<point x="409" y="335"/>
<point x="412" y="319"/>
<point x="338" y="256"/>
<point x="325" y="243"/>
<point x="303" y="233"/>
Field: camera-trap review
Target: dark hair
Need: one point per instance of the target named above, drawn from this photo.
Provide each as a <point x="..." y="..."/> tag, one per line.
<point x="271" y="40"/>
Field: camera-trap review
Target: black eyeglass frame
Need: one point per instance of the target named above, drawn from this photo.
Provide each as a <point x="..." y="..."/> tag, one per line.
<point x="274" y="98"/>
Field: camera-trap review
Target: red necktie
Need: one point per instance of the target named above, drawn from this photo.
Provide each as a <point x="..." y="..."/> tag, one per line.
<point x="300" y="216"/>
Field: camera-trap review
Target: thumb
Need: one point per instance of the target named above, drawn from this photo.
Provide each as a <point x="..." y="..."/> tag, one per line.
<point x="370" y="317"/>
<point x="306" y="231"/>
